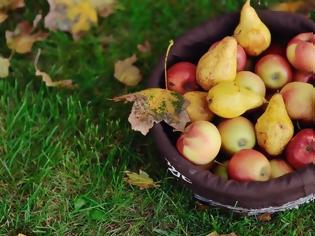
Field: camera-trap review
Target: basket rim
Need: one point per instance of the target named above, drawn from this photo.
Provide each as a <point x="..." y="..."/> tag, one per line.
<point x="247" y="195"/>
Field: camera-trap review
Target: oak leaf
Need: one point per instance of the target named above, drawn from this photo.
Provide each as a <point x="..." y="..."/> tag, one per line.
<point x="68" y="84"/>
<point x="74" y="16"/>
<point x="141" y="180"/>
<point x="155" y="105"/>
<point x="4" y="67"/>
<point x="126" y="72"/>
<point x="21" y="40"/>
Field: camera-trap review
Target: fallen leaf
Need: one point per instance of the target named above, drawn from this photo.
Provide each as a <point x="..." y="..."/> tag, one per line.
<point x="4" y="67"/>
<point x="266" y="217"/>
<point x="144" y="47"/>
<point x="301" y="6"/>
<point x="21" y="40"/>
<point x="7" y="5"/>
<point x="216" y="234"/>
<point x="105" y="7"/>
<point x="47" y="79"/>
<point x="201" y="207"/>
<point x="74" y="16"/>
<point x="126" y="72"/>
<point x="155" y="105"/>
<point x="3" y="16"/>
<point x="142" y="180"/>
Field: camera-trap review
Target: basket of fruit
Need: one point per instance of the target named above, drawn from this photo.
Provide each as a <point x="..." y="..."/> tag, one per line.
<point x="250" y="143"/>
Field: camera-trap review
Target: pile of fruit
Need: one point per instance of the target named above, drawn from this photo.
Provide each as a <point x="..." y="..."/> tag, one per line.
<point x="251" y="103"/>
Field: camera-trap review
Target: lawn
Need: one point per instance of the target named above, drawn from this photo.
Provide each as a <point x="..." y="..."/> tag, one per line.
<point x="63" y="153"/>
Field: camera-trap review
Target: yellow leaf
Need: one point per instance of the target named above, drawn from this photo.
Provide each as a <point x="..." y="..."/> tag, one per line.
<point x="104" y="7"/>
<point x="22" y="39"/>
<point x="4" y="67"/>
<point x="142" y="180"/>
<point x="47" y="79"/>
<point x="74" y="16"/>
<point x="155" y="105"/>
<point x="126" y="72"/>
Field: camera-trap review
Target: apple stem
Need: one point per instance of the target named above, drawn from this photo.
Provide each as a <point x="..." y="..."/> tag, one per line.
<point x="171" y="43"/>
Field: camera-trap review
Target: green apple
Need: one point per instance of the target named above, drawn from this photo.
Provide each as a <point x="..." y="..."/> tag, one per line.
<point x="237" y="134"/>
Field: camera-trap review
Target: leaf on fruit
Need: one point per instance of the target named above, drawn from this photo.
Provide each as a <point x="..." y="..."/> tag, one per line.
<point x="217" y="234"/>
<point x="126" y="72"/>
<point x="155" y="105"/>
<point x="141" y="180"/>
<point x="144" y="47"/>
<point x="74" y="16"/>
<point x="4" y="67"/>
<point x="68" y="84"/>
<point x="266" y="217"/>
<point x="105" y="7"/>
<point x="21" y="40"/>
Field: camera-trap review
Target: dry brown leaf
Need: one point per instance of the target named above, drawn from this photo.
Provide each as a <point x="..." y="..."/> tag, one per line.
<point x="3" y="16"/>
<point x="216" y="234"/>
<point x="74" y="16"/>
<point x="266" y="217"/>
<point x="4" y="67"/>
<point x="142" y="180"/>
<point x="104" y="7"/>
<point x="7" y="5"/>
<point x="126" y="72"/>
<point x="68" y="84"/>
<point x="155" y="105"/>
<point x="144" y="47"/>
<point x="21" y="40"/>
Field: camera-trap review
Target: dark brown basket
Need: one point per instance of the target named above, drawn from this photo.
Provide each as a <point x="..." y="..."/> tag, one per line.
<point x="279" y="194"/>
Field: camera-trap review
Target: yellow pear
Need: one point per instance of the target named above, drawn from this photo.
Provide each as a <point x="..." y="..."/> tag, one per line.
<point x="218" y="64"/>
<point x="274" y="129"/>
<point x="251" y="33"/>
<point x="229" y="100"/>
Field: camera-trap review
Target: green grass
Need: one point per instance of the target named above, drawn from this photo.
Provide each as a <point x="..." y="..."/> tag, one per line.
<point x="63" y="153"/>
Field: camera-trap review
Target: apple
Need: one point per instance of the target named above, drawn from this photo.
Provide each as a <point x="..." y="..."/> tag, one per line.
<point x="279" y="168"/>
<point x="237" y="134"/>
<point x="221" y="170"/>
<point x="181" y="77"/>
<point x="275" y="48"/>
<point x="198" y="106"/>
<point x="299" y="99"/>
<point x="274" y="70"/>
<point x="301" y="149"/>
<point x="249" y="165"/>
<point x="251" y="81"/>
<point x="301" y="52"/>
<point x="241" y="56"/>
<point x="305" y="77"/>
<point x="200" y="142"/>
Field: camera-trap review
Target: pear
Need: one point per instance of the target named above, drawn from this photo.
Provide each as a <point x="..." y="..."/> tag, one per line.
<point x="229" y="100"/>
<point x="218" y="64"/>
<point x="251" y="33"/>
<point x="274" y="129"/>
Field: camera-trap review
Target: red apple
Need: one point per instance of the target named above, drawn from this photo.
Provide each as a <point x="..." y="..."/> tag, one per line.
<point x="299" y="99"/>
<point x="301" y="52"/>
<point x="305" y="77"/>
<point x="276" y="48"/>
<point x="301" y="149"/>
<point x="200" y="143"/>
<point x="181" y="77"/>
<point x="279" y="168"/>
<point x="249" y="165"/>
<point x="241" y="56"/>
<point x="274" y="70"/>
